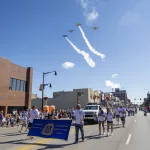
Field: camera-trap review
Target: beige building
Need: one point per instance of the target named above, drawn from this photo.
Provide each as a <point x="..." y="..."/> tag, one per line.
<point x="34" y="96"/>
<point x="69" y="99"/>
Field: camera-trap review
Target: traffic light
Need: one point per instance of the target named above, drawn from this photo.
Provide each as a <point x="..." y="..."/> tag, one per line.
<point x="41" y="87"/>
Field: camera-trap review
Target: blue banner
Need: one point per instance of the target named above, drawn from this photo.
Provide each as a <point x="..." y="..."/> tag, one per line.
<point x="58" y="129"/>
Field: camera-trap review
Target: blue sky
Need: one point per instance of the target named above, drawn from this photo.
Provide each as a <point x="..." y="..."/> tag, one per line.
<point x="31" y="35"/>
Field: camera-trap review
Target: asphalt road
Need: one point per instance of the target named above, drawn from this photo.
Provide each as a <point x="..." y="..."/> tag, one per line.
<point x="135" y="136"/>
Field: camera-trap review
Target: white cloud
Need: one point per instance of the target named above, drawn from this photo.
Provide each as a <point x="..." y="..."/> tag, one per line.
<point x="89" y="9"/>
<point x="68" y="65"/>
<point x="114" y="75"/>
<point x="92" y="15"/>
<point x="129" y="18"/>
<point x="111" y="84"/>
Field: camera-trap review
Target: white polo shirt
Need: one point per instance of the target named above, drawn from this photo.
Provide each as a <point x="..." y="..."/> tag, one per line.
<point x="79" y="115"/>
<point x="33" y="115"/>
<point x="122" y="112"/>
<point x="109" y="116"/>
<point x="101" y="116"/>
<point x="117" y="110"/>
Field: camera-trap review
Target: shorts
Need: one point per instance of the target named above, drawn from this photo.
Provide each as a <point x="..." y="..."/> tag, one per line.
<point x="24" y="124"/>
<point x="122" y="118"/>
<point x="29" y="125"/>
<point x="117" y="116"/>
<point x="109" y="121"/>
<point x="12" y="123"/>
<point x="101" y="121"/>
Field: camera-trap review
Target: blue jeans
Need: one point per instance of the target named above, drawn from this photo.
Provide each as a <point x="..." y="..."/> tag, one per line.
<point x="77" y="128"/>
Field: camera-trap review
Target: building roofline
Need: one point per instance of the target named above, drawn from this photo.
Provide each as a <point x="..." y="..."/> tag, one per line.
<point x="14" y="63"/>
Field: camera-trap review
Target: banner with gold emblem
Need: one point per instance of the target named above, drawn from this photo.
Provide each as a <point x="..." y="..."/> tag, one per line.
<point x="58" y="129"/>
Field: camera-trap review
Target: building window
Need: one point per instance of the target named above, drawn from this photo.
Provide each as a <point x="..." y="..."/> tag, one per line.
<point x="10" y="83"/>
<point x="18" y="85"/>
<point x="80" y="94"/>
<point x="13" y="84"/>
<point x="22" y="85"/>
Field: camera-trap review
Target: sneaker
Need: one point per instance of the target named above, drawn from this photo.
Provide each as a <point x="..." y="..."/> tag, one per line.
<point x="111" y="134"/>
<point x="104" y="133"/>
<point x="82" y="140"/>
<point x="76" y="142"/>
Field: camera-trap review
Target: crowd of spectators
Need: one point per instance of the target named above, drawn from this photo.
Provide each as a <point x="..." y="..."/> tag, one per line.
<point x="17" y="117"/>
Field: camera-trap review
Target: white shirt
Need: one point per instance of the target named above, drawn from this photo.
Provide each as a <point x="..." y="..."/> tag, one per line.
<point x="33" y="115"/>
<point x="101" y="116"/>
<point x="79" y="115"/>
<point x="117" y="111"/>
<point x="109" y="116"/>
<point x="122" y="112"/>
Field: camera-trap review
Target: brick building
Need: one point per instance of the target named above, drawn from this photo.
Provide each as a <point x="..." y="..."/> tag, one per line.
<point x="15" y="86"/>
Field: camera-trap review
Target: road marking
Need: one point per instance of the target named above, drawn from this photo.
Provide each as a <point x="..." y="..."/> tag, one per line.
<point x="27" y="147"/>
<point x="34" y="144"/>
<point x="128" y="140"/>
<point x="134" y="120"/>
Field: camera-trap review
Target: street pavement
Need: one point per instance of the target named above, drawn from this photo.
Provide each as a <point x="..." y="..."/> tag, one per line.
<point x="135" y="136"/>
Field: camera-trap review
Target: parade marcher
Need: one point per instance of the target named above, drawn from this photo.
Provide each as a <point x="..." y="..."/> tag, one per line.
<point x="122" y="115"/>
<point x="145" y="111"/>
<point x="33" y="114"/>
<point x="109" y="121"/>
<point x="79" y="123"/>
<point x="133" y="111"/>
<point x="117" y="114"/>
<point x="128" y="110"/>
<point x="101" y="120"/>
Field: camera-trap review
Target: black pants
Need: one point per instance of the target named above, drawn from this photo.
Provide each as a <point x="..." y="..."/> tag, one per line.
<point x="77" y="128"/>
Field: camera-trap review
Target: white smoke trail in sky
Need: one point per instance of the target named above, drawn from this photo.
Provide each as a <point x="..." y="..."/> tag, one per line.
<point x="84" y="54"/>
<point x="89" y="45"/>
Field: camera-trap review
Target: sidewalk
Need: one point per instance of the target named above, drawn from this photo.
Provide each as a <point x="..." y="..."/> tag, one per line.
<point x="4" y="128"/>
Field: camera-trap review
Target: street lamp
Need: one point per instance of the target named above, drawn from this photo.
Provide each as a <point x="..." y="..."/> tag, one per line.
<point x="49" y="84"/>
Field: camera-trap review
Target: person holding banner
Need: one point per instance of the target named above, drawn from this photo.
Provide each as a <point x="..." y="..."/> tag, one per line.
<point x="33" y="114"/>
<point x="79" y="123"/>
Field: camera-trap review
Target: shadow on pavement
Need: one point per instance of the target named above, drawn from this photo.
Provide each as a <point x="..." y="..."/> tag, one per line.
<point x="53" y="146"/>
<point x="118" y="127"/>
<point x="95" y="137"/>
<point x="14" y="134"/>
<point x="15" y="141"/>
